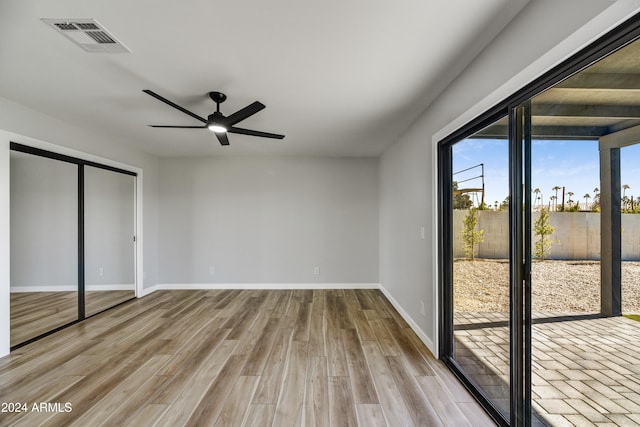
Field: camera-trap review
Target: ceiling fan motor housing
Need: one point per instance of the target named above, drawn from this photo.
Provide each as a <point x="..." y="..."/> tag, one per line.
<point x="216" y="118"/>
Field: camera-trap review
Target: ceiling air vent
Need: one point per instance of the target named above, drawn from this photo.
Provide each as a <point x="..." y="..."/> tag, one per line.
<point x="88" y="34"/>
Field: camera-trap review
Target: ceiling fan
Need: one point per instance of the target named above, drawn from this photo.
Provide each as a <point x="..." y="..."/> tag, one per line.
<point x="217" y="122"/>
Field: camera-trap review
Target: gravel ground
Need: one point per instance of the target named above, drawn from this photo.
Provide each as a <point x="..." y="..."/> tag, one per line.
<point x="574" y="286"/>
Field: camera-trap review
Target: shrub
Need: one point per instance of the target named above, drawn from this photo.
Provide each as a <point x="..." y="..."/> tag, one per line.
<point x="543" y="230"/>
<point x="470" y="236"/>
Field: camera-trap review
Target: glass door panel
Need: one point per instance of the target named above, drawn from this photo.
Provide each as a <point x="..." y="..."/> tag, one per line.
<point x="480" y="260"/>
<point x="584" y="239"/>
<point x="109" y="224"/>
<point x="44" y="245"/>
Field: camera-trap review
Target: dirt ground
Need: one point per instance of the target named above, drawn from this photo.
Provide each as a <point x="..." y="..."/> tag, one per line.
<point x="574" y="286"/>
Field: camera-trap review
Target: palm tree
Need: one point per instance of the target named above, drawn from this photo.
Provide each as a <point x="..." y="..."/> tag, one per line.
<point x="556" y="189"/>
<point x="536" y="192"/>
<point x="569" y="193"/>
<point x="505" y="204"/>
<point x="625" y="199"/>
<point x="553" y="199"/>
<point x="596" y="199"/>
<point x="586" y="201"/>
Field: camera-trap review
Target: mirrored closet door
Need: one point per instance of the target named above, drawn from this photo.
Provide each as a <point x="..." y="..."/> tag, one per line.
<point x="72" y="240"/>
<point x="109" y="244"/>
<point x="44" y="245"/>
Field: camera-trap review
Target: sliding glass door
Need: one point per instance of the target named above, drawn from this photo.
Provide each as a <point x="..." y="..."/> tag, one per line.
<point x="539" y="245"/>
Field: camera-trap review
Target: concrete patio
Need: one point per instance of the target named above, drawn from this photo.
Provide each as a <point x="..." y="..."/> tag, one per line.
<point x="585" y="367"/>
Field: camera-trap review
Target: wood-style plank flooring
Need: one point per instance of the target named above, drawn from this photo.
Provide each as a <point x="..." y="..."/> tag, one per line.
<point x="34" y="313"/>
<point x="237" y="358"/>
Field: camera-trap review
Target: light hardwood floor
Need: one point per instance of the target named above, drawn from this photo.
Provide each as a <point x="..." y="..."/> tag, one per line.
<point x="35" y="313"/>
<point x="238" y="358"/>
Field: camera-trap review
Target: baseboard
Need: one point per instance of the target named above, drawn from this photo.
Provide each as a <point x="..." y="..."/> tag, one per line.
<point x="421" y="334"/>
<point x="112" y="287"/>
<point x="215" y="286"/>
<point x="147" y="291"/>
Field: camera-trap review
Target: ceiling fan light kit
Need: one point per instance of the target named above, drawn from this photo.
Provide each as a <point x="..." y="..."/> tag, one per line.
<point x="217" y="128"/>
<point x="217" y="122"/>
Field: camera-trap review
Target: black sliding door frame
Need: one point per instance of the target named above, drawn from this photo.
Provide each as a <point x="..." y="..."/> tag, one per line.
<point x="516" y="267"/>
<point x="80" y="163"/>
<point x="445" y="264"/>
<point x="520" y="263"/>
<point x="517" y="107"/>
<point x="525" y="404"/>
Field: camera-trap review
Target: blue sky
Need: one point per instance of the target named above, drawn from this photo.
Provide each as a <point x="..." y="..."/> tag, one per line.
<point x="572" y="164"/>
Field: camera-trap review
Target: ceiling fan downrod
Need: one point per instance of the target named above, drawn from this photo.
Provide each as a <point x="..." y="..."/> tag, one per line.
<point x="218" y="98"/>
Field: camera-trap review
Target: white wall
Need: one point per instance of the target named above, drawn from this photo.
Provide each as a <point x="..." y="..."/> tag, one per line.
<point x="269" y="220"/>
<point x="23" y="125"/>
<point x="538" y="38"/>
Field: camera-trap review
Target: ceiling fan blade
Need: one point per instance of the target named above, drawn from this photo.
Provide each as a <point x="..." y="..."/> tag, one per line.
<point x="176" y="106"/>
<point x="254" y="133"/>
<point x="178" y="127"/>
<point x="247" y="111"/>
<point x="222" y="137"/>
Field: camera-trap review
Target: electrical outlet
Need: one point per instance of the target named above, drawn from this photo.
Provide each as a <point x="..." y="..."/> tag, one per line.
<point x="212" y="271"/>
<point x="422" y="310"/>
<point x="316" y="270"/>
<point x="422" y="233"/>
<point x="100" y="271"/>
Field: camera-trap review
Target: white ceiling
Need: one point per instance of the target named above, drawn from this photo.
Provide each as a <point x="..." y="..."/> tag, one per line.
<point x="339" y="78"/>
